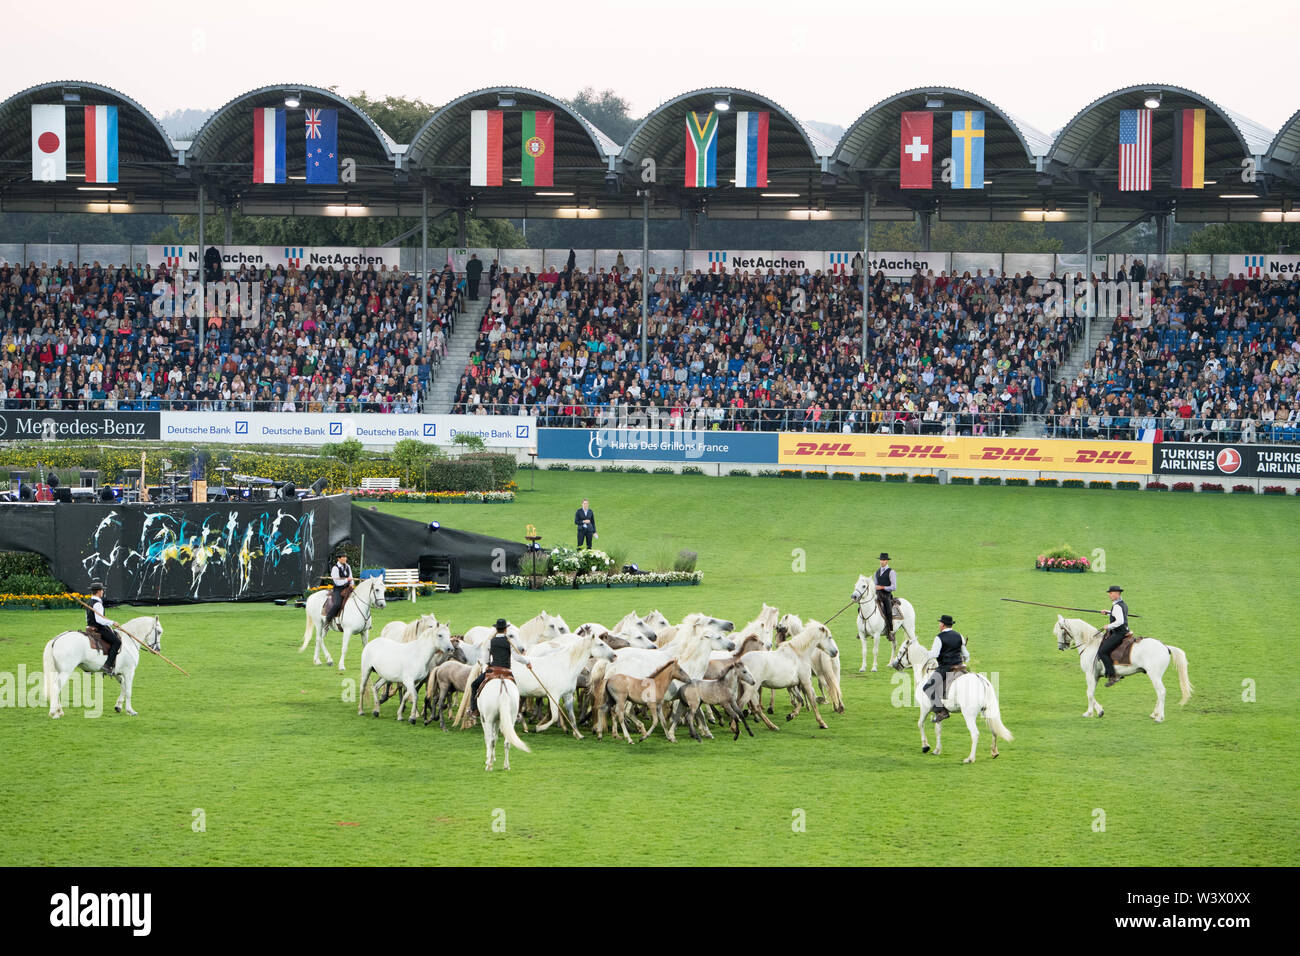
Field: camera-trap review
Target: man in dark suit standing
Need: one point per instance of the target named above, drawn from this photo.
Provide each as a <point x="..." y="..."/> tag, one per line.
<point x="473" y="274"/>
<point x="585" y="519"/>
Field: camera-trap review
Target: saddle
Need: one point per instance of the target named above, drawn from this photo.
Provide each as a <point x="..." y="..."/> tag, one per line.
<point x="498" y="673"/>
<point x="96" y="641"/>
<point x="1124" y="653"/>
<point x="896" y="606"/>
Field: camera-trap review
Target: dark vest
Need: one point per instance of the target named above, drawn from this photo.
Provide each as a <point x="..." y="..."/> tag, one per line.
<point x="1126" y="625"/>
<point x="499" y="651"/>
<point x="90" y="618"/>
<point x="345" y="572"/>
<point x="882" y="577"/>
<point x="950" y="649"/>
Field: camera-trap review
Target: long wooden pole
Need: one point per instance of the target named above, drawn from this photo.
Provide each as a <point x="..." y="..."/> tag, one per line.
<point x="841" y="611"/>
<point x="137" y="640"/>
<point x="1061" y="607"/>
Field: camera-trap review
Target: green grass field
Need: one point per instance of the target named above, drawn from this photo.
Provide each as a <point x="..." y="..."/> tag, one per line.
<point x="260" y="748"/>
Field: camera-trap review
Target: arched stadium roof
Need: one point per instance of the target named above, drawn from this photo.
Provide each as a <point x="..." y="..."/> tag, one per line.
<point x="1029" y="173"/>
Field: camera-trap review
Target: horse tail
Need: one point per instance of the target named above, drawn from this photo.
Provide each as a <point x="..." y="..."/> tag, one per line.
<point x="506" y="718"/>
<point x="1180" y="664"/>
<point x="308" y="634"/>
<point x="994" y="714"/>
<point x="50" y="678"/>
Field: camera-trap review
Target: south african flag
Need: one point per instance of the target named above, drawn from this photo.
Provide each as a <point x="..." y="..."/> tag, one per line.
<point x="701" y="150"/>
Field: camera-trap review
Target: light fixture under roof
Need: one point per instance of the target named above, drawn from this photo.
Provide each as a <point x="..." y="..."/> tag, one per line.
<point x="292" y="99"/>
<point x="779" y="195"/>
<point x="1152" y="101"/>
<point x="505" y="100"/>
<point x="933" y="101"/>
<point x="722" y="102"/>
<point x="71" y="95"/>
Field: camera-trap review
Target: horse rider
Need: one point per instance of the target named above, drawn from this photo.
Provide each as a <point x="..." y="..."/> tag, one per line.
<point x="1116" y="631"/>
<point x="341" y="575"/>
<point x="499" y="650"/>
<point x="886" y="586"/>
<point x="97" y="622"/>
<point x="949" y="649"/>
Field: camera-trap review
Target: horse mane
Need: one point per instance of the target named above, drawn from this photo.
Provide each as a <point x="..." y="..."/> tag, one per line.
<point x="659" y="670"/>
<point x="810" y="634"/>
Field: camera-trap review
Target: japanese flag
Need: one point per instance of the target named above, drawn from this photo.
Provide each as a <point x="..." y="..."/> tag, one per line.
<point x="49" y="144"/>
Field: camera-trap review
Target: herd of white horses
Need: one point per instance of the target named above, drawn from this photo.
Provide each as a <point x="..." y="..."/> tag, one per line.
<point x="698" y="671"/>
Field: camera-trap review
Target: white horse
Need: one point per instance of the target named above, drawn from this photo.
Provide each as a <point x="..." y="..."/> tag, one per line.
<point x="353" y="619"/>
<point x="969" y="693"/>
<point x="404" y="632"/>
<point x="554" y="676"/>
<point x="789" y="665"/>
<point x="404" y="663"/>
<point x="72" y="650"/>
<point x="498" y="705"/>
<point x="871" y="623"/>
<point x="1148" y="655"/>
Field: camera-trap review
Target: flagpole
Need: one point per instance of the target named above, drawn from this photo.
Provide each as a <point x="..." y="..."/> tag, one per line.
<point x="203" y="291"/>
<point x="866" y="265"/>
<point x="645" y="272"/>
<point x="1087" y="278"/>
<point x="424" y="269"/>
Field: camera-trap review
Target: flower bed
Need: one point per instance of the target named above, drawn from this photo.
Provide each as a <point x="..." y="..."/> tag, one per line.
<point x="768" y="473"/>
<point x="872" y="476"/>
<point x="1274" y="490"/>
<point x="990" y="480"/>
<point x="664" y="470"/>
<point x="843" y="476"/>
<point x="925" y="479"/>
<point x="434" y="497"/>
<point x="1243" y="489"/>
<point x="39" y="602"/>
<point x="962" y="480"/>
<point x="571" y="581"/>
<point x="1071" y="482"/>
<point x="612" y="469"/>
<point x="1100" y="484"/>
<point x="1018" y="482"/>
<point x="692" y="470"/>
<point x="1045" y="483"/>
<point x="636" y="470"/>
<point x="1211" y="487"/>
<point x="896" y="476"/>
<point x="739" y="473"/>
<point x="791" y="473"/>
<point x="1184" y="486"/>
<point x="558" y="466"/>
<point x="1063" y="558"/>
<point x="1157" y="486"/>
<point x="1128" y="485"/>
<point x="816" y="474"/>
<point x="584" y="468"/>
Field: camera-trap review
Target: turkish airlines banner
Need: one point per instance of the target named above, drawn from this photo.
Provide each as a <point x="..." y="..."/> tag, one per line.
<point x="1000" y="454"/>
<point x="1204" y="459"/>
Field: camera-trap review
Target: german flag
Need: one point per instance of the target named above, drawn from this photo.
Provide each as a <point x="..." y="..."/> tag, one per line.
<point x="1189" y="149"/>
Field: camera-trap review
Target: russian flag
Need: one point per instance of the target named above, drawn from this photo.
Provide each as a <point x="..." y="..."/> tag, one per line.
<point x="101" y="144"/>
<point x="268" y="146"/>
<point x="751" y="149"/>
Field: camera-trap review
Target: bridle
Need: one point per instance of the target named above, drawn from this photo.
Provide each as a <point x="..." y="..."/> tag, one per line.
<point x="860" y="597"/>
<point x="366" y="608"/>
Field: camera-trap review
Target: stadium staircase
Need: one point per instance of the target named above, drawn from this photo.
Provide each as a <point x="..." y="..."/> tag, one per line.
<point x="446" y="379"/>
<point x="1035" y="425"/>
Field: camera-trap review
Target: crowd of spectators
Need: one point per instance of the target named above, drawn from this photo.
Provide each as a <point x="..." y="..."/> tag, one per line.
<point x="1211" y="360"/>
<point x="775" y="350"/>
<point x="318" y="340"/>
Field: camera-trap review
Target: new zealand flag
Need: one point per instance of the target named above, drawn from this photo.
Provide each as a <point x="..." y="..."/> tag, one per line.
<point x="322" y="146"/>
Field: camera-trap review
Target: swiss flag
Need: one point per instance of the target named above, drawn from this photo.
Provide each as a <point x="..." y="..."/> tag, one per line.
<point x="916" y="151"/>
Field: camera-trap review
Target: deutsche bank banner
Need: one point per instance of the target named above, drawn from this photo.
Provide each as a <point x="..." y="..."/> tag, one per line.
<point x="64" y="426"/>
<point x="657" y="444"/>
<point x="319" y="428"/>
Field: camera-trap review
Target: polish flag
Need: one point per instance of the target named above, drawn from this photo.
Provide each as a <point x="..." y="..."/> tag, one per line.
<point x="916" y="156"/>
<point x="49" y="144"/>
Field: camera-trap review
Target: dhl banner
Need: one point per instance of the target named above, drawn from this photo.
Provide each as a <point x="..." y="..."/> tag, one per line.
<point x="938" y="451"/>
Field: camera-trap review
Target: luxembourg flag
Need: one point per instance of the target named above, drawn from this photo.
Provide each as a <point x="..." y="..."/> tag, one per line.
<point x="101" y="144"/>
<point x="268" y="146"/>
<point x="751" y="149"/>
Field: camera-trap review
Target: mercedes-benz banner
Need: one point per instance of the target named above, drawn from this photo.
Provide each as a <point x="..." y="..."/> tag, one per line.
<point x="64" y="426"/>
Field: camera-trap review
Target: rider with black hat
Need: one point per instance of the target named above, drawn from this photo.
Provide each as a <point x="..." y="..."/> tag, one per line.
<point x="949" y="649"/>
<point x="886" y="586"/>
<point x="344" y="582"/>
<point x="97" y="622"/>
<point x="1116" y="631"/>
<point x="499" y="651"/>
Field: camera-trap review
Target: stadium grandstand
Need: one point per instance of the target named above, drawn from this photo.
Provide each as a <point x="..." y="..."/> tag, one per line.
<point x="752" y="348"/>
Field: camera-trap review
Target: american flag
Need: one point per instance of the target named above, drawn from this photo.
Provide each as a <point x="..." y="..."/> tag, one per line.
<point x="1134" y="150"/>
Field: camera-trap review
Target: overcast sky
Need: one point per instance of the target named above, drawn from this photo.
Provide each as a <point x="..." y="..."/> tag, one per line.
<point x="826" y="61"/>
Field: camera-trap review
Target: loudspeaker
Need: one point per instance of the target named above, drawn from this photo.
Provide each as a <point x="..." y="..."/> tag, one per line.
<point x="288" y="492"/>
<point x="53" y="481"/>
<point x="107" y="495"/>
<point x="318" y="487"/>
<point x="62" y="494"/>
<point x="26" y="493"/>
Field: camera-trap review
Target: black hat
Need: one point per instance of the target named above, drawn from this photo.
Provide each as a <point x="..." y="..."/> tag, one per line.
<point x="501" y="624"/>
<point x="946" y="619"/>
<point x="96" y="585"/>
<point x="884" y="555"/>
<point x="1115" y="587"/>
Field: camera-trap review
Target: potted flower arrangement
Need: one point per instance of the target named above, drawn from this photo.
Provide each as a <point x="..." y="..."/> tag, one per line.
<point x="1063" y="558"/>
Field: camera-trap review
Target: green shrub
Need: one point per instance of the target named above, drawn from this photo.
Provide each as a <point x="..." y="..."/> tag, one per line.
<point x="692" y="470"/>
<point x="872" y="476"/>
<point x="612" y="469"/>
<point x="618" y="554"/>
<point x="843" y="476"/>
<point x="504" y="467"/>
<point x="1018" y="482"/>
<point x="470" y="441"/>
<point x="791" y="473"/>
<point x="896" y="476"/>
<point x="768" y="473"/>
<point x="685" y="560"/>
<point x="1100" y="484"/>
<point x="925" y="480"/>
<point x="990" y="480"/>
<point x="533" y="562"/>
<point x="22" y="562"/>
<point x="739" y="473"/>
<point x="31" y="584"/>
<point x="636" y="470"/>
<point x="1045" y="482"/>
<point x="558" y="466"/>
<point x="411" y="454"/>
<point x="815" y="475"/>
<point x="663" y="558"/>
<point x="1128" y="485"/>
<point x="451" y="474"/>
<point x="584" y="467"/>
<point x="1071" y="482"/>
<point x="664" y="470"/>
<point x="349" y="451"/>
<point x="962" y="480"/>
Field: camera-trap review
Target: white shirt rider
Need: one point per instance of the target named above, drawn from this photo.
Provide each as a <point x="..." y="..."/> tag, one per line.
<point x="937" y="646"/>
<point x="97" y="605"/>
<point x="341" y="574"/>
<point x="1117" y="618"/>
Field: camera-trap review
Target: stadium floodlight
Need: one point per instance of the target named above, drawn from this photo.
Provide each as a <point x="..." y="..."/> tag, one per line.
<point x="292" y="99"/>
<point x="722" y="102"/>
<point x="1152" y="101"/>
<point x="933" y="101"/>
<point x="505" y="100"/>
<point x="71" y="95"/>
<point x="779" y="195"/>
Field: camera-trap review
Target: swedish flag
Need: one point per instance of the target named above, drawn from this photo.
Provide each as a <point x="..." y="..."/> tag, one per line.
<point x="968" y="149"/>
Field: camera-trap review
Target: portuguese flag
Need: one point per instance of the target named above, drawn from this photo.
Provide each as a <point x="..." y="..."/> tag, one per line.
<point x="1189" y="149"/>
<point x="538" y="148"/>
